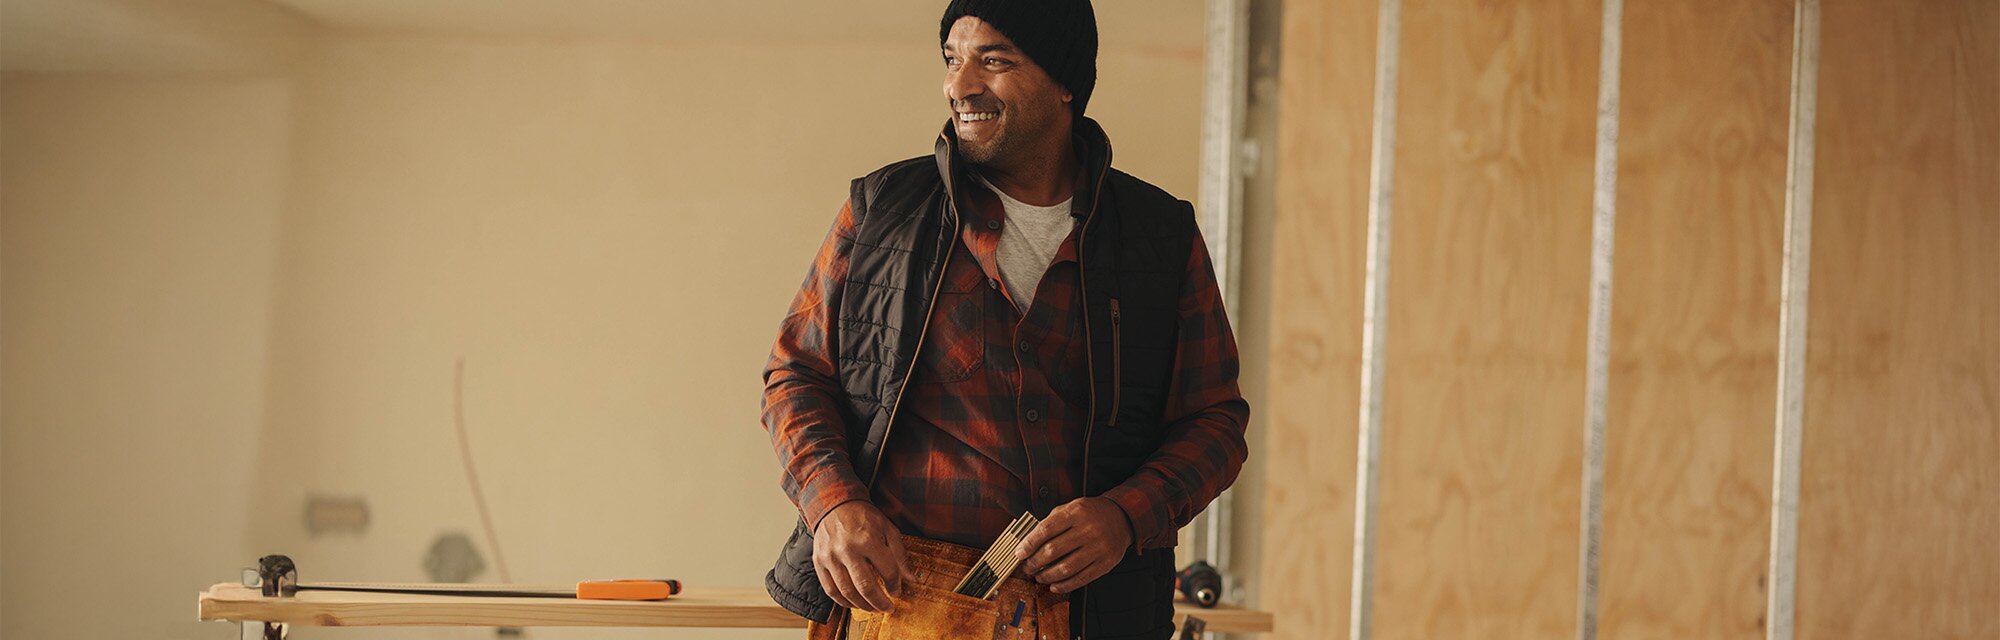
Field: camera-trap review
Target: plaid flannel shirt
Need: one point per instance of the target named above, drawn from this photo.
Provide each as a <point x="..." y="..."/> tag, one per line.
<point x="993" y="422"/>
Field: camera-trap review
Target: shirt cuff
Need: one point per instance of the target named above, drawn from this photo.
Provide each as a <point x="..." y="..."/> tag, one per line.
<point x="1147" y="513"/>
<point x="827" y="491"/>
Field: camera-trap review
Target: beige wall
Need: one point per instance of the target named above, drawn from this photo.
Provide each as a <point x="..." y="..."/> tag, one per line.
<point x="232" y="296"/>
<point x="139" y="241"/>
<point x="608" y="234"/>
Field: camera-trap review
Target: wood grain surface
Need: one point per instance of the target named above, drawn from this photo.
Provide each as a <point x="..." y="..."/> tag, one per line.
<point x="1701" y="178"/>
<point x="1899" y="526"/>
<point x="1326" y="98"/>
<point x="1483" y="407"/>
<point x="696" y="607"/>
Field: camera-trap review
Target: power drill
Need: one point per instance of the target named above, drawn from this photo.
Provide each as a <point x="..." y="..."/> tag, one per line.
<point x="1201" y="583"/>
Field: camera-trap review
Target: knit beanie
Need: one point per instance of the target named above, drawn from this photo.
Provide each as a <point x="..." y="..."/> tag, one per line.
<point x="1059" y="35"/>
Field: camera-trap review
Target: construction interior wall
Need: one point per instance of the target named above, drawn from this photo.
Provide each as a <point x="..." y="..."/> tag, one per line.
<point x="1693" y="353"/>
<point x="1900" y="496"/>
<point x="1318" y="227"/>
<point x="1484" y="325"/>
<point x="1483" y="418"/>
<point x="228" y="296"/>
<point x="241" y="277"/>
<point x="140" y="245"/>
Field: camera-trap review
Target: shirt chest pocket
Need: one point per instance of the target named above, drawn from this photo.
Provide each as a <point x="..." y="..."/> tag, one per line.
<point x="955" y="344"/>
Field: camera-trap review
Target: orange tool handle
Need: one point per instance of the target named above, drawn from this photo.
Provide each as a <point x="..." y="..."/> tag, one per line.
<point x="627" y="589"/>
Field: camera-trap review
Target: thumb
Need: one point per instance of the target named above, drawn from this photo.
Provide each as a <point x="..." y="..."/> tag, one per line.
<point x="903" y="559"/>
<point x="902" y="571"/>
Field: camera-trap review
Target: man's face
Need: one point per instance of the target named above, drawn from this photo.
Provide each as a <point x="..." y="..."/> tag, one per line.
<point x="1004" y="106"/>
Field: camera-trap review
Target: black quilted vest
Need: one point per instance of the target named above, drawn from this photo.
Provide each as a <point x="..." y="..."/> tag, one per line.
<point x="1133" y="252"/>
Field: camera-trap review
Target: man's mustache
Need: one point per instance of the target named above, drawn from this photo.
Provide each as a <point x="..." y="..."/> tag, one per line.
<point x="975" y="105"/>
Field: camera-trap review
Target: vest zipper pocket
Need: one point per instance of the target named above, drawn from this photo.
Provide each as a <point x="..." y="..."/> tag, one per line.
<point x="1117" y="358"/>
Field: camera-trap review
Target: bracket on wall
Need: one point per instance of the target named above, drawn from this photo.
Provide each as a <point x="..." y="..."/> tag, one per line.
<point x="1220" y="199"/>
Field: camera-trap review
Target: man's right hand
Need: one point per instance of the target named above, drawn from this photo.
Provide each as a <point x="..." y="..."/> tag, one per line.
<point x="859" y="556"/>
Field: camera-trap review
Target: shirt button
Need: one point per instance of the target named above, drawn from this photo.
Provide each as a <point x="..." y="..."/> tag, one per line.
<point x="993" y="224"/>
<point x="1045" y="493"/>
<point x="991" y="283"/>
<point x="1024" y="346"/>
<point x="1034" y="415"/>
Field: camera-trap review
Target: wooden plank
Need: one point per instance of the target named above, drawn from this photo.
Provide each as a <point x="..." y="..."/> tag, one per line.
<point x="1900" y="494"/>
<point x="1484" y="391"/>
<point x="696" y="607"/>
<point x="1701" y="173"/>
<point x="1325" y="101"/>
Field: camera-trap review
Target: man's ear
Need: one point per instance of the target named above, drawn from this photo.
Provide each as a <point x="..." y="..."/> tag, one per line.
<point x="1066" y="96"/>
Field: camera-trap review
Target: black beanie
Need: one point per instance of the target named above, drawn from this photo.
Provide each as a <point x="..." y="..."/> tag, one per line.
<point x="1059" y="35"/>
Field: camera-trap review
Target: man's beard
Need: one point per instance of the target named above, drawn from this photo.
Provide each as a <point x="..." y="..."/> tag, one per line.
<point x="983" y="152"/>
<point x="995" y="144"/>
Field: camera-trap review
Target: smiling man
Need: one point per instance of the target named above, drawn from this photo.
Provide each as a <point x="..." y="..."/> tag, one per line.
<point x="1006" y="325"/>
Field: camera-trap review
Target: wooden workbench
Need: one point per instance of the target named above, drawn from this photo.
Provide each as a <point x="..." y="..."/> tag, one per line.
<point x="711" y="607"/>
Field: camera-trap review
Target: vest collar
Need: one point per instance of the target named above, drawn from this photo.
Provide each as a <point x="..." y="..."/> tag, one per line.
<point x="1093" y="153"/>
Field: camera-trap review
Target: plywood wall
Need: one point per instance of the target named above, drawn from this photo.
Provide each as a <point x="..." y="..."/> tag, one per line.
<point x="1899" y="530"/>
<point x="1701" y="183"/>
<point x="1483" y="426"/>
<point x="1316" y="273"/>
<point x="1483" y="388"/>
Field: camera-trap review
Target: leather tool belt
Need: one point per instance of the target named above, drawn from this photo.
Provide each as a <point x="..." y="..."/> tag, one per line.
<point x="928" y="609"/>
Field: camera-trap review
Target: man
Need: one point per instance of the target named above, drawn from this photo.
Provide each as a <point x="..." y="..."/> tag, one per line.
<point x="1007" y="325"/>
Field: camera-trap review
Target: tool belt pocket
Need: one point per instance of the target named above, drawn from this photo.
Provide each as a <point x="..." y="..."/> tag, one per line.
<point x="928" y="608"/>
<point x="929" y="613"/>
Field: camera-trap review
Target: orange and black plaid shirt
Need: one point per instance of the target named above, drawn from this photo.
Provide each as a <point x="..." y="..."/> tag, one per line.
<point x="993" y="421"/>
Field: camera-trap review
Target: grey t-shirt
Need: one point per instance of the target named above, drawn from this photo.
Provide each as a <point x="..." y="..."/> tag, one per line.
<point x="1028" y="243"/>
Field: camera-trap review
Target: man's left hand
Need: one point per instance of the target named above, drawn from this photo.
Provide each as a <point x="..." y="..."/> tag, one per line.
<point x="1077" y="543"/>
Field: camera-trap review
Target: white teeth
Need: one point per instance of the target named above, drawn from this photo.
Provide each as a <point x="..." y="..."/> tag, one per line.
<point x="975" y="117"/>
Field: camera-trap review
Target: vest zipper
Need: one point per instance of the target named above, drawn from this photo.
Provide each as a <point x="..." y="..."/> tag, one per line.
<point x="907" y="373"/>
<point x="1117" y="365"/>
<point x="1090" y="362"/>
